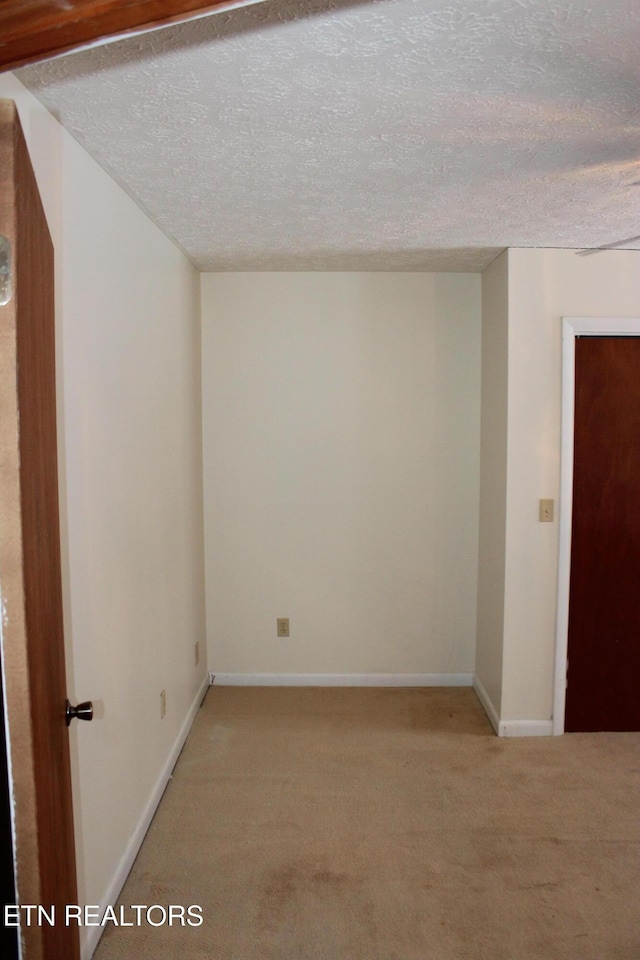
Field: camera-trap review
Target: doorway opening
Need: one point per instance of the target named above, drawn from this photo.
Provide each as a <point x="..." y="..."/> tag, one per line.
<point x="572" y="328"/>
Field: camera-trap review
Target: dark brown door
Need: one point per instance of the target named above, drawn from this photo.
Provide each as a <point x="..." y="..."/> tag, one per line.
<point x="30" y="580"/>
<point x="604" y="600"/>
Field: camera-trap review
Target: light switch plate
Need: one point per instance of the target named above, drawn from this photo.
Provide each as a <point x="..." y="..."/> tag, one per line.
<point x="546" y="511"/>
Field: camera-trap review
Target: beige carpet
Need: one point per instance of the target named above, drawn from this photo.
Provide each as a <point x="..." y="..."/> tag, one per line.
<point x="377" y="824"/>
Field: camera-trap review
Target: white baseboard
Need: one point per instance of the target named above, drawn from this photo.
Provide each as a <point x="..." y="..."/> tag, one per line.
<point x="342" y="679"/>
<point x="511" y="728"/>
<point x="126" y="861"/>
<point x="526" y="728"/>
<point x="487" y="703"/>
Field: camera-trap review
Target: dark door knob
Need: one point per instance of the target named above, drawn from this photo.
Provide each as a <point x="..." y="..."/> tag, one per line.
<point x="84" y="711"/>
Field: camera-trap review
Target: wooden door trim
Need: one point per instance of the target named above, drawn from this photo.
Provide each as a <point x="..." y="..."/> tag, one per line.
<point x="13" y="629"/>
<point x="573" y="327"/>
<point x="31" y="631"/>
<point x="33" y="30"/>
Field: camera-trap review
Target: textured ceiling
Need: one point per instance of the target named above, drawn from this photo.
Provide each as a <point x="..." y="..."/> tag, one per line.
<point x="388" y="135"/>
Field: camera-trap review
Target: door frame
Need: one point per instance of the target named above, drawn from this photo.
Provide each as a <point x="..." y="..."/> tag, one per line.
<point x="32" y="628"/>
<point x="573" y="327"/>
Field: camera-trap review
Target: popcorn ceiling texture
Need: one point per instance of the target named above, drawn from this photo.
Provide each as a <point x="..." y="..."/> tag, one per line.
<point x="389" y="135"/>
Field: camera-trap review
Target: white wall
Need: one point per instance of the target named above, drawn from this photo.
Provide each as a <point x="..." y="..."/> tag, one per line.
<point x="127" y="317"/>
<point x="493" y="484"/>
<point x="544" y="286"/>
<point x="341" y="444"/>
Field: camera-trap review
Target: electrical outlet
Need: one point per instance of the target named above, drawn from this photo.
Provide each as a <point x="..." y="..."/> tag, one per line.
<point x="546" y="511"/>
<point x="283" y="626"/>
<point x="197" y="652"/>
<point x="163" y="704"/>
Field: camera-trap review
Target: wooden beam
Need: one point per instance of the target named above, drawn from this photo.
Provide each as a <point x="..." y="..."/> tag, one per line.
<point x="32" y="30"/>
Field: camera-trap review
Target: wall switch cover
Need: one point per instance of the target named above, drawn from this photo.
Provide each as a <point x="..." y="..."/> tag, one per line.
<point x="546" y="511"/>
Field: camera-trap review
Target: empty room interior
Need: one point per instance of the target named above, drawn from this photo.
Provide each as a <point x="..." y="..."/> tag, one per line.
<point x="326" y="279"/>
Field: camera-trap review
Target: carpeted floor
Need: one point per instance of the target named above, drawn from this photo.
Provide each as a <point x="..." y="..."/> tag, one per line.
<point x="379" y="824"/>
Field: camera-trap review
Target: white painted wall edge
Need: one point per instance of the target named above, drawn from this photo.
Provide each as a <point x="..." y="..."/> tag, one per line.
<point x="487" y="703"/>
<point x="138" y="835"/>
<point x="342" y="679"/>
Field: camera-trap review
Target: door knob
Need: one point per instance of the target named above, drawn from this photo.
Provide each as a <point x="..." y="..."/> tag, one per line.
<point x="84" y="711"/>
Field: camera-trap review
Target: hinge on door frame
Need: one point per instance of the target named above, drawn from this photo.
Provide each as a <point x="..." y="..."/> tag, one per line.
<point x="5" y="271"/>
